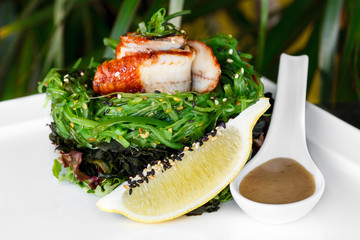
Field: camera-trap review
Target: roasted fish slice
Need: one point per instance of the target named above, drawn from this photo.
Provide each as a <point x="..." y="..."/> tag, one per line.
<point x="166" y="64"/>
<point x="133" y="44"/>
<point x="165" y="71"/>
<point x="205" y="71"/>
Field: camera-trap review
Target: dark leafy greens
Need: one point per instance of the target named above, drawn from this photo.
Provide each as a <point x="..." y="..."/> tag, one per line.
<point x="102" y="140"/>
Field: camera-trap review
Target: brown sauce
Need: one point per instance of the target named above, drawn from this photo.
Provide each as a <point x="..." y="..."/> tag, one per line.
<point x="278" y="181"/>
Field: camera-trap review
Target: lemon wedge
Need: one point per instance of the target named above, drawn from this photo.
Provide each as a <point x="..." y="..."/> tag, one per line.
<point x="174" y="186"/>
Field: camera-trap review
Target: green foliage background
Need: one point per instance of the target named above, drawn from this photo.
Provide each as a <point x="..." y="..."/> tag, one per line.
<point x="36" y="35"/>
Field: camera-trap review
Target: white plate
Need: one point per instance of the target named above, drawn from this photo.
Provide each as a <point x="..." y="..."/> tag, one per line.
<point x="33" y="205"/>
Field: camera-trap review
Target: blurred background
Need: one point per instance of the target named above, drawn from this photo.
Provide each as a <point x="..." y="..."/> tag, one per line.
<point x="36" y="35"/>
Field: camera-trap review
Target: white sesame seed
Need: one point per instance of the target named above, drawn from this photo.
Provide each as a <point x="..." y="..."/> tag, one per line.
<point x="242" y="70"/>
<point x="119" y="96"/>
<point x="66" y="76"/>
<point x="66" y="80"/>
<point x="82" y="74"/>
<point x="229" y="60"/>
<point x="117" y="74"/>
<point x="216" y="102"/>
<point x="236" y="76"/>
<point x="224" y="99"/>
<point x="231" y="51"/>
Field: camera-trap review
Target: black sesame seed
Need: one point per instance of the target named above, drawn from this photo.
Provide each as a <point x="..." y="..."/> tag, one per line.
<point x="191" y="121"/>
<point x="130" y="191"/>
<point x="213" y="133"/>
<point x="222" y="124"/>
<point x="111" y="104"/>
<point x="107" y="111"/>
<point x="157" y="91"/>
<point x="201" y="143"/>
<point x="181" y="155"/>
<point x="205" y="139"/>
<point x="146" y="179"/>
<point x="193" y="104"/>
<point x="105" y="102"/>
<point x="190" y="149"/>
<point x="152" y="172"/>
<point x="124" y="34"/>
<point x="186" y="99"/>
<point x="178" y="158"/>
<point x="239" y="52"/>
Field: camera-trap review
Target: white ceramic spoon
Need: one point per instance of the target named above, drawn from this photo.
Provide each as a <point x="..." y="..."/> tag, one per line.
<point x="286" y="139"/>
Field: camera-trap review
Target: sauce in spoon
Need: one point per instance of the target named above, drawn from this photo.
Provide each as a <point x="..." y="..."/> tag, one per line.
<point x="278" y="181"/>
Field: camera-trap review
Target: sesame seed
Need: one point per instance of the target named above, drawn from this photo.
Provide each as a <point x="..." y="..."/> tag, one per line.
<point x="191" y="121"/>
<point x="82" y="73"/>
<point x="118" y="95"/>
<point x="66" y="80"/>
<point x="216" y="102"/>
<point x="186" y="99"/>
<point x="145" y="135"/>
<point x="239" y="52"/>
<point x="107" y="111"/>
<point x="156" y="91"/>
<point x="242" y="70"/>
<point x="231" y="51"/>
<point x="130" y="191"/>
<point x="117" y="74"/>
<point x="229" y="60"/>
<point x="105" y="102"/>
<point x="193" y="104"/>
<point x="224" y="99"/>
<point x="236" y="75"/>
<point x="111" y="104"/>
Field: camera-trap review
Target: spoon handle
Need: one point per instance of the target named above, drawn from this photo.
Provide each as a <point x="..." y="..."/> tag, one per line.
<point x="288" y="119"/>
